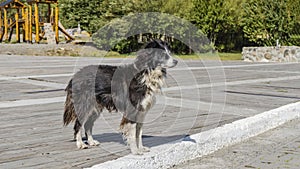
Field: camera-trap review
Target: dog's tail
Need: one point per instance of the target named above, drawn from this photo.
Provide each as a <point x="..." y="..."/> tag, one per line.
<point x="69" y="113"/>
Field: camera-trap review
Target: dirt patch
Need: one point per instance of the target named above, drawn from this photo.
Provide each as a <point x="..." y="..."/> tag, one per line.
<point x="50" y="50"/>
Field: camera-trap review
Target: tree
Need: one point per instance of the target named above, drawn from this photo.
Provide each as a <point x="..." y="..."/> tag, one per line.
<point x="85" y="12"/>
<point x="219" y="20"/>
<point x="265" y="21"/>
<point x="93" y="14"/>
<point x="178" y="8"/>
<point x="293" y="9"/>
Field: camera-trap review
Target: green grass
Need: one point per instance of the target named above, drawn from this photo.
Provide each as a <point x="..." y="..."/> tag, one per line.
<point x="230" y="56"/>
<point x="206" y="56"/>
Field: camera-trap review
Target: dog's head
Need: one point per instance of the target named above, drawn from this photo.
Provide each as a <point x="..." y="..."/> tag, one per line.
<point x="155" y="54"/>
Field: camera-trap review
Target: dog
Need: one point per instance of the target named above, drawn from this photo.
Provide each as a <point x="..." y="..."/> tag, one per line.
<point x="129" y="89"/>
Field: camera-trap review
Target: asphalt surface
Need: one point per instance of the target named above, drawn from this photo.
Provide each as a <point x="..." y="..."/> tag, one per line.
<point x="198" y="96"/>
<point x="278" y="148"/>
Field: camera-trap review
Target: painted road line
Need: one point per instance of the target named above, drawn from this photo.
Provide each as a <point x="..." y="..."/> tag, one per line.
<point x="270" y="71"/>
<point x="175" y="88"/>
<point x="229" y="66"/>
<point x="220" y="66"/>
<point x="240" y="82"/>
<point x="79" y="59"/>
<point x="42" y="83"/>
<point x="35" y="76"/>
<point x="206" y="106"/>
<point x="30" y="102"/>
<point x="162" y="100"/>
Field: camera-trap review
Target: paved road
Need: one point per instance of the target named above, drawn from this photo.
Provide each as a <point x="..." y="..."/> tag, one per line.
<point x="278" y="148"/>
<point x="198" y="96"/>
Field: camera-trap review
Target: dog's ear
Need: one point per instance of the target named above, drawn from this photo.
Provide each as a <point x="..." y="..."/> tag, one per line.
<point x="156" y="43"/>
<point x="151" y="44"/>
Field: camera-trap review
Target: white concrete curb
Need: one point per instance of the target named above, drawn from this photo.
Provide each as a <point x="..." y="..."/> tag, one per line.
<point x="168" y="155"/>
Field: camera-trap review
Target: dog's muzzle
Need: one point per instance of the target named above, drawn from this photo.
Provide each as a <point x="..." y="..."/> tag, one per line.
<point x="172" y="63"/>
<point x="175" y="62"/>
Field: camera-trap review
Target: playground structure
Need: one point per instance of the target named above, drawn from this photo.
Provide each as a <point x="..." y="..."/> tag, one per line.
<point x="16" y="16"/>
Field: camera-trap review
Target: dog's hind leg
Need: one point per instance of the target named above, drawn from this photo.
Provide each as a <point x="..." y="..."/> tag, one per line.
<point x="76" y="128"/>
<point x="139" y="140"/>
<point x="77" y="135"/>
<point x="88" y="126"/>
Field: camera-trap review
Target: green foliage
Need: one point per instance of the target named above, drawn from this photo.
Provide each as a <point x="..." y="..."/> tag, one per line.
<point x="178" y="8"/>
<point x="266" y="21"/>
<point x="127" y="34"/>
<point x="85" y="12"/>
<point x="219" y="20"/>
<point x="228" y="24"/>
<point x="93" y="14"/>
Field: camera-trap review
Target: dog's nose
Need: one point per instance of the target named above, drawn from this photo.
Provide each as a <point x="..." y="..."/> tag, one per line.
<point x="175" y="62"/>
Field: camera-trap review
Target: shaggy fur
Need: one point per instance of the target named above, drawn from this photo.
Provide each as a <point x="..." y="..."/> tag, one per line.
<point x="129" y="89"/>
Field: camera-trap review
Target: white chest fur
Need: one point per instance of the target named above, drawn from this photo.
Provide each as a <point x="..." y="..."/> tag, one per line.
<point x="154" y="81"/>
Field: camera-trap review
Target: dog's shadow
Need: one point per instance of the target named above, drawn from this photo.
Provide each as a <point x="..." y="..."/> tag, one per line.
<point x="149" y="141"/>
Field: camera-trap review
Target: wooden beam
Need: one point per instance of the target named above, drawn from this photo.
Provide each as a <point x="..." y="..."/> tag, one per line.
<point x="10" y="33"/>
<point x="56" y="23"/>
<point x="1" y="20"/>
<point x="30" y="23"/>
<point x="37" y="23"/>
<point x="5" y="24"/>
<point x="1" y="24"/>
<point x="17" y="27"/>
<point x="23" y="24"/>
<point x="26" y="25"/>
<point x="49" y="13"/>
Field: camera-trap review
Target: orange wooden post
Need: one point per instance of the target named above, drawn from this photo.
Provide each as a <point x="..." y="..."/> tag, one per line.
<point x="17" y="27"/>
<point x="1" y="24"/>
<point x="30" y="24"/>
<point x="5" y="24"/>
<point x="56" y="23"/>
<point x="26" y="25"/>
<point x="23" y="24"/>
<point x="37" y="23"/>
<point x="1" y="20"/>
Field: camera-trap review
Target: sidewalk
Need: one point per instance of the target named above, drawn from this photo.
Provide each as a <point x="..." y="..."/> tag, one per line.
<point x="278" y="148"/>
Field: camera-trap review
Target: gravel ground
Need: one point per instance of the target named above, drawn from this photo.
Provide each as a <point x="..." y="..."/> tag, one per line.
<point x="50" y="50"/>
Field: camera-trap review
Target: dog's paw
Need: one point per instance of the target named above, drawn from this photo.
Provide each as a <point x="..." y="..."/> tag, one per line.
<point x="137" y="152"/>
<point x="93" y="143"/>
<point x="145" y="149"/>
<point x="81" y="145"/>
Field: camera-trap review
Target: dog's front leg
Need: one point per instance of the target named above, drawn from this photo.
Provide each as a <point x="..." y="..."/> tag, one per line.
<point x="80" y="144"/>
<point x="131" y="138"/>
<point x="139" y="141"/>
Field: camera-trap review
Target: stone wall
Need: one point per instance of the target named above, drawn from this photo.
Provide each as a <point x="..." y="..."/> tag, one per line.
<point x="271" y="54"/>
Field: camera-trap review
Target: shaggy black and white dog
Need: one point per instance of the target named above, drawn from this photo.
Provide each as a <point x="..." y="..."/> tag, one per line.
<point x="129" y="89"/>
